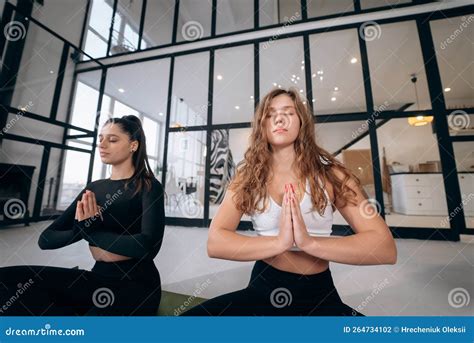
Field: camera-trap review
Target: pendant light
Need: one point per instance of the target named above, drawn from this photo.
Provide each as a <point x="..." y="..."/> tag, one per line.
<point x="418" y="120"/>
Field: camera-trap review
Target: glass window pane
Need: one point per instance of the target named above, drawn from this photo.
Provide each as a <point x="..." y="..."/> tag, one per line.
<point x="234" y="15"/>
<point x="156" y="167"/>
<point x="394" y="57"/>
<point x="100" y="19"/>
<point x="100" y="16"/>
<point x="338" y="84"/>
<point x="126" y="26"/>
<point x="95" y="46"/>
<point x="285" y="71"/>
<point x="67" y="88"/>
<point x="319" y="8"/>
<point x="153" y="165"/>
<point x="17" y="124"/>
<point x="158" y="26"/>
<point x="185" y="174"/>
<point x="194" y="21"/>
<point x="349" y="142"/>
<point x="70" y="183"/>
<point x="65" y="17"/>
<point x="464" y="154"/>
<point x="233" y="99"/>
<point x="85" y="101"/>
<point x="278" y="11"/>
<point x="461" y="123"/>
<point x="227" y="150"/>
<point x="365" y="4"/>
<point x="454" y="52"/>
<point x="105" y="110"/>
<point x="335" y="137"/>
<point x="189" y="101"/>
<point x="74" y="177"/>
<point x="141" y="89"/>
<point x="36" y="78"/>
<point x="121" y="110"/>
<point x="150" y="127"/>
<point x="412" y="178"/>
<point x="101" y="170"/>
<point x="49" y="203"/>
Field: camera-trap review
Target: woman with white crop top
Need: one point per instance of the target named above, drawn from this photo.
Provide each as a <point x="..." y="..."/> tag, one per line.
<point x="291" y="186"/>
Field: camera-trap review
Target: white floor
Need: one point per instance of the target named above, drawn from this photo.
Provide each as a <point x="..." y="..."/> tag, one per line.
<point x="419" y="284"/>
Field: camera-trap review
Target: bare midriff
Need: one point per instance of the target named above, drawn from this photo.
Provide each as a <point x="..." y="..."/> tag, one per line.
<point x="102" y="255"/>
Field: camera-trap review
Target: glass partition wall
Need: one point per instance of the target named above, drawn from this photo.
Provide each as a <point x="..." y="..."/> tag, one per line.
<point x="395" y="107"/>
<point x="118" y="27"/>
<point x="373" y="110"/>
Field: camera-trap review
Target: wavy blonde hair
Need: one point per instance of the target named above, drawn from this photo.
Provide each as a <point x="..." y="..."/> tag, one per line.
<point x="312" y="162"/>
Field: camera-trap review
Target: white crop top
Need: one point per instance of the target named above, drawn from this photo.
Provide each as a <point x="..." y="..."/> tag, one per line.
<point x="266" y="223"/>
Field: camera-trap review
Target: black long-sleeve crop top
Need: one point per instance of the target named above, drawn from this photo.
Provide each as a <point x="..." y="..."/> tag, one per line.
<point x="132" y="226"/>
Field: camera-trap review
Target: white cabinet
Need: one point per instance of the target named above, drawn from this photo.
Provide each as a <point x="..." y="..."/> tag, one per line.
<point x="423" y="193"/>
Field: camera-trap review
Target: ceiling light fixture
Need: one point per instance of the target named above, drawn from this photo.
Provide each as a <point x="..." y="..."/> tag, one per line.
<point x="418" y="120"/>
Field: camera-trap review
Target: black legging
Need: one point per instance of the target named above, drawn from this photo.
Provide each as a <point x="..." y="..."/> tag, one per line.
<point x="272" y="292"/>
<point x="129" y="287"/>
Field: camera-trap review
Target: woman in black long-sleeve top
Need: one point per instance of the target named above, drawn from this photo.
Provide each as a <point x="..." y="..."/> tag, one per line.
<point x="122" y="218"/>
